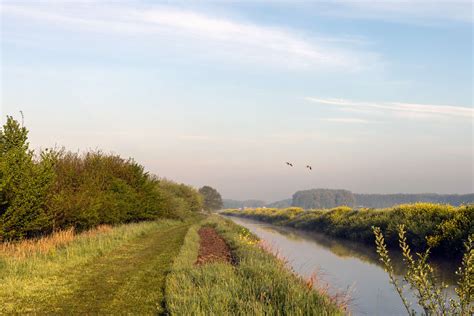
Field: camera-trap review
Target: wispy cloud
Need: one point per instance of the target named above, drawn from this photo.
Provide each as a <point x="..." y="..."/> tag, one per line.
<point x="346" y="120"/>
<point x="248" y="40"/>
<point x="399" y="108"/>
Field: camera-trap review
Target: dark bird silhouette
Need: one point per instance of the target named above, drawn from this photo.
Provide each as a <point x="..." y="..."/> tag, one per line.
<point x="309" y="167"/>
<point x="289" y="164"/>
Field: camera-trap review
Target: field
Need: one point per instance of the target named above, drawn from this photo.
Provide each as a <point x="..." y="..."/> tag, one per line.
<point x="444" y="228"/>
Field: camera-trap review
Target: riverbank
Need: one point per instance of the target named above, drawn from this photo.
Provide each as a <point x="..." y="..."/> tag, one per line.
<point x="254" y="282"/>
<point x="442" y="227"/>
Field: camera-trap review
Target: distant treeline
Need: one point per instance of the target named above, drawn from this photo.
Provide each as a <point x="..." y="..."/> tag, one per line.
<point x="323" y="198"/>
<point x="442" y="227"/>
<point x="228" y="203"/>
<point x="60" y="189"/>
<point x="327" y="198"/>
<point x="281" y="204"/>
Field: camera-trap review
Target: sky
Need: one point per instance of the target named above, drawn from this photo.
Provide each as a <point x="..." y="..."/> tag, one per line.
<point x="377" y="96"/>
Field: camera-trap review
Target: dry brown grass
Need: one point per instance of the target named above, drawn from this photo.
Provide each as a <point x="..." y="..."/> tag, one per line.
<point x="30" y="247"/>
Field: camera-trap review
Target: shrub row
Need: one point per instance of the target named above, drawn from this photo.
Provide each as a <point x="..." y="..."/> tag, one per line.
<point x="442" y="227"/>
<point x="59" y="189"/>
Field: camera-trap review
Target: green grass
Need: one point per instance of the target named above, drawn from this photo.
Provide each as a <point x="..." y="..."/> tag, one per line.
<point x="259" y="284"/>
<point x="120" y="271"/>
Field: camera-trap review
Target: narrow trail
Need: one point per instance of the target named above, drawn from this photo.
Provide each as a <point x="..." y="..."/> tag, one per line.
<point x="128" y="280"/>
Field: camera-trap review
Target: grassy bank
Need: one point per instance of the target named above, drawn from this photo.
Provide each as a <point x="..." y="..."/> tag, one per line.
<point x="443" y="227"/>
<point x="257" y="284"/>
<point x="104" y="270"/>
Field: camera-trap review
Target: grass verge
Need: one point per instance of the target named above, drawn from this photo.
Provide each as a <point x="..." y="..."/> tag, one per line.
<point x="258" y="284"/>
<point x="114" y="270"/>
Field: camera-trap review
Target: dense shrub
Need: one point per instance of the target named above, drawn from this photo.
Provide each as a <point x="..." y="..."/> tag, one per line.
<point x="442" y="227"/>
<point x="60" y="189"/>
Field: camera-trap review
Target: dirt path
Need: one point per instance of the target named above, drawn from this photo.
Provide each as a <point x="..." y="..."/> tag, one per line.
<point x="212" y="247"/>
<point x="129" y="280"/>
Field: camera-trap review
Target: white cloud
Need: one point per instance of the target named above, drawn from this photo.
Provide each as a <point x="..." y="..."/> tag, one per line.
<point x="209" y="33"/>
<point x="399" y="108"/>
<point x="346" y="120"/>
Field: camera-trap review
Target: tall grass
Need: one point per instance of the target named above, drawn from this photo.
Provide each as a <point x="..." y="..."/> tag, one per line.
<point x="259" y="284"/>
<point x="44" y="245"/>
<point x="444" y="228"/>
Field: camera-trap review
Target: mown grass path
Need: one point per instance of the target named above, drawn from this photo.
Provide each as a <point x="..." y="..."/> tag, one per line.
<point x="128" y="280"/>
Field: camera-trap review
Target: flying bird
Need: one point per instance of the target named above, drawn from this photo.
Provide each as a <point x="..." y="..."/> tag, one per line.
<point x="309" y="167"/>
<point x="289" y="164"/>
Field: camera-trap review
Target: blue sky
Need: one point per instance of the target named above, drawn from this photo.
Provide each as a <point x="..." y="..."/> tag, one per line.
<point x="376" y="96"/>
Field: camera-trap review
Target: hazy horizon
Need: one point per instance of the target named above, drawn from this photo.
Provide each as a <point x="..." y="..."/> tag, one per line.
<point x="290" y="196"/>
<point x="377" y="97"/>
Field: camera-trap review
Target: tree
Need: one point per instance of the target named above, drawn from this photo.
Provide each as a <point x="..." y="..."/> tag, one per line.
<point x="212" y="198"/>
<point x="24" y="184"/>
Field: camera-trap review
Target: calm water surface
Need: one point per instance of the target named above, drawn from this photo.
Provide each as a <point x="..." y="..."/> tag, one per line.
<point x="344" y="265"/>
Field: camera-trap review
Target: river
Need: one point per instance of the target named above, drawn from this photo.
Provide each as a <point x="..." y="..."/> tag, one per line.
<point x="344" y="266"/>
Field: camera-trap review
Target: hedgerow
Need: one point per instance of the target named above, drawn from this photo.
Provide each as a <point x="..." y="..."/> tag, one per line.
<point x="58" y="189"/>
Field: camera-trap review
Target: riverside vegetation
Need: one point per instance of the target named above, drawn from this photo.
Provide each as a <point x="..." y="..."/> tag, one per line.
<point x="443" y="228"/>
<point x="257" y="283"/>
<point x="430" y="295"/>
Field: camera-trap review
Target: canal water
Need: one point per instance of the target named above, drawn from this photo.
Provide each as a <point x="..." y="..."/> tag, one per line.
<point x="344" y="266"/>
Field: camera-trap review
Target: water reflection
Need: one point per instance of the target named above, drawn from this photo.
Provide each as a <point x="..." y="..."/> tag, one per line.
<point x="343" y="264"/>
<point x="444" y="269"/>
